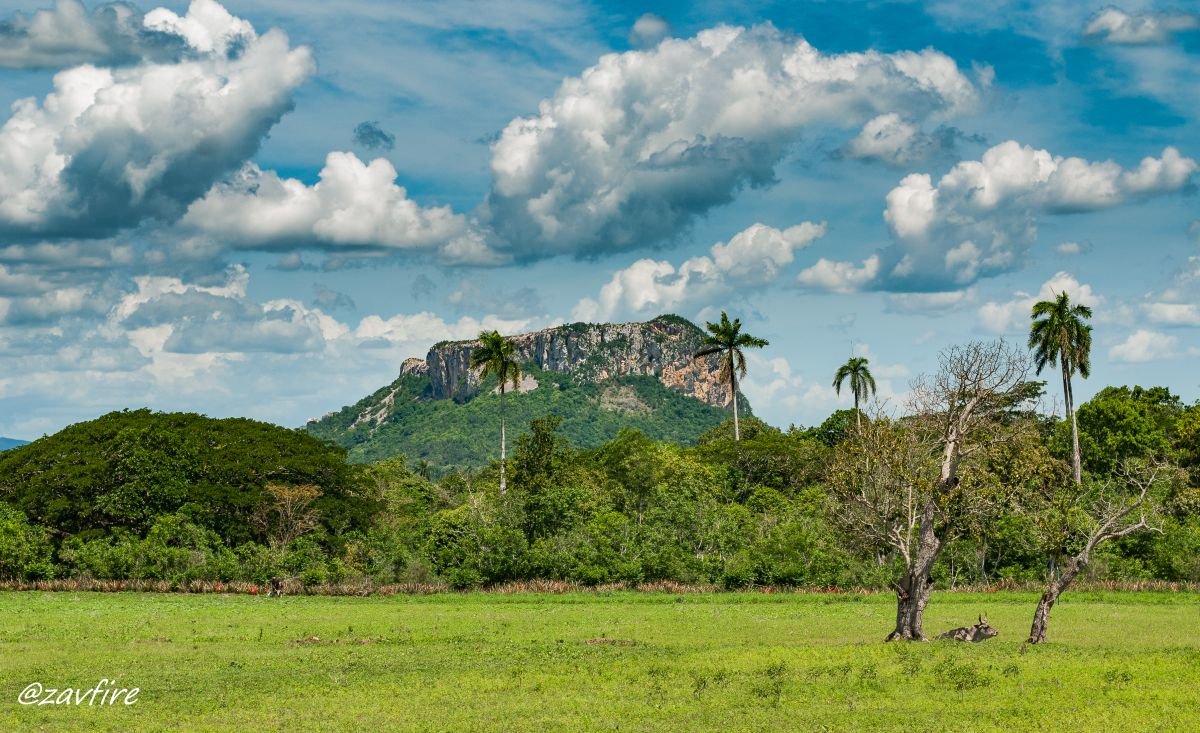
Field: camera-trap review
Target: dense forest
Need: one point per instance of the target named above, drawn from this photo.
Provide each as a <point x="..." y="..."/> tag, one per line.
<point x="179" y="497"/>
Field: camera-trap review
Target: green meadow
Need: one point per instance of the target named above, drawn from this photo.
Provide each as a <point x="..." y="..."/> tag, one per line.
<point x="625" y="661"/>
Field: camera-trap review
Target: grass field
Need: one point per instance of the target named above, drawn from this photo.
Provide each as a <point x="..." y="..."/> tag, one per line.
<point x="522" y="662"/>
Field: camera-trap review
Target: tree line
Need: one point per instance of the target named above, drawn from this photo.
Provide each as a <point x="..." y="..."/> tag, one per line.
<point x="967" y="483"/>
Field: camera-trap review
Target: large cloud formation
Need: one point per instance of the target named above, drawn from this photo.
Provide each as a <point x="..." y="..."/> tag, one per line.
<point x="112" y="147"/>
<point x="354" y="205"/>
<point x="981" y="217"/>
<point x="67" y="35"/>
<point x="628" y="153"/>
<point x="118" y="33"/>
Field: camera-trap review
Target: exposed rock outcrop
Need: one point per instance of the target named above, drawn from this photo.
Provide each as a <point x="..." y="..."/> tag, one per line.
<point x="661" y="348"/>
<point x="414" y="367"/>
<point x="623" y="400"/>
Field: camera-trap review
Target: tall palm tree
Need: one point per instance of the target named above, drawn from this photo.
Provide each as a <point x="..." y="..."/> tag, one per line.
<point x="727" y="339"/>
<point x="497" y="355"/>
<point x="861" y="382"/>
<point x="1058" y="333"/>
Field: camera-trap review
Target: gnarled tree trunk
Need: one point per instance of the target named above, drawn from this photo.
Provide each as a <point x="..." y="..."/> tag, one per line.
<point x="1041" y="616"/>
<point x="1114" y="525"/>
<point x="914" y="589"/>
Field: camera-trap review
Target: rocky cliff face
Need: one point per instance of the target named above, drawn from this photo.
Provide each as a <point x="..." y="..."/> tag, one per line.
<point x="591" y="353"/>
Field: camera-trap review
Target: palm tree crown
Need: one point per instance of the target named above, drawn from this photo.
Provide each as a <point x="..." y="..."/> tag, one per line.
<point x="726" y="338"/>
<point x="1058" y="333"/>
<point x="861" y="382"/>
<point x="498" y="355"/>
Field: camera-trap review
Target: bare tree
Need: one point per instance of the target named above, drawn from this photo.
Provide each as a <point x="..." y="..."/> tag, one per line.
<point x="898" y="484"/>
<point x="879" y="480"/>
<point x="287" y="512"/>
<point x="1091" y="514"/>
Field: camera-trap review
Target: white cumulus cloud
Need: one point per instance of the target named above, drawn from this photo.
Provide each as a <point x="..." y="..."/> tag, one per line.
<point x="354" y="204"/>
<point x="753" y="257"/>
<point x="933" y="304"/>
<point x="629" y="152"/>
<point x="1013" y="315"/>
<point x="1145" y="345"/>
<point x="840" y="277"/>
<point x="112" y="34"/>
<point x="648" y="30"/>
<point x="1176" y="305"/>
<point x="981" y="217"/>
<point x="1173" y="314"/>
<point x="112" y="147"/>
<point x="1113" y="25"/>
<point x="891" y="139"/>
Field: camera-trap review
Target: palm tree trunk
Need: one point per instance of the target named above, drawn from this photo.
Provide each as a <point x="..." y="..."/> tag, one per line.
<point x="503" y="487"/>
<point x="737" y="433"/>
<point x="1069" y="397"/>
<point x="857" y="414"/>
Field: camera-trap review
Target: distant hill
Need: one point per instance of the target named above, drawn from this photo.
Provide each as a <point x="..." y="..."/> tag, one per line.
<point x="125" y="470"/>
<point x="6" y="443"/>
<point x="599" y="378"/>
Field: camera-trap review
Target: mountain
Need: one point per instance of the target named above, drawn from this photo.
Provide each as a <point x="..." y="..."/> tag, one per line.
<point x="599" y="378"/>
<point x="6" y="443"/>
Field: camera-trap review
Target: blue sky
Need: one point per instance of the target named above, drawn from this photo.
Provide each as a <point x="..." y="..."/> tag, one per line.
<point x="262" y="208"/>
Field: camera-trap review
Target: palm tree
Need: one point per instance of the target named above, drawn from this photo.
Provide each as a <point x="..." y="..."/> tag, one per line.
<point x="497" y="355"/>
<point x="1058" y="333"/>
<point x="861" y="382"/>
<point x="727" y="339"/>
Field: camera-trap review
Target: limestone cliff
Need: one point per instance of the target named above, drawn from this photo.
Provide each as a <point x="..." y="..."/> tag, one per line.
<point x="598" y="379"/>
<point x="590" y="353"/>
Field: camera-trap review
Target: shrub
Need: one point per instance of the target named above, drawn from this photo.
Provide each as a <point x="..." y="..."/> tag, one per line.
<point x="25" y="549"/>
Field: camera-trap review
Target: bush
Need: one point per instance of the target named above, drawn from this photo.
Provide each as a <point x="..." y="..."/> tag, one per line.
<point x="798" y="551"/>
<point x="470" y="546"/>
<point x="306" y="561"/>
<point x="1176" y="554"/>
<point x="259" y="563"/>
<point x="25" y="549"/>
<point x="174" y="550"/>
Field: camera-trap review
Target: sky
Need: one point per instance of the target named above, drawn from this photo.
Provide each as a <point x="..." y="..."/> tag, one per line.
<point x="261" y="209"/>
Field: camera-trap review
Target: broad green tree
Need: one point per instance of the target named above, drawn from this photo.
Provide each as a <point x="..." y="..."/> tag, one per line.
<point x="726" y="338"/>
<point x="1059" y="334"/>
<point x="861" y="383"/>
<point x="498" y="355"/>
<point x="1121" y="423"/>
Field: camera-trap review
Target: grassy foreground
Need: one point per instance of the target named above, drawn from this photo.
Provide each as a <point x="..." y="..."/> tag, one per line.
<point x="657" y="662"/>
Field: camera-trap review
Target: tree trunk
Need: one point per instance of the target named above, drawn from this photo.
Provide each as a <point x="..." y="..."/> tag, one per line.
<point x="1041" y="616"/>
<point x="1069" y="398"/>
<point x="857" y="414"/>
<point x="737" y="433"/>
<point x="914" y="589"/>
<point x="503" y="486"/>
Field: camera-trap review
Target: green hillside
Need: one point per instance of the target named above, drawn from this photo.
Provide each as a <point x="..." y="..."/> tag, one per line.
<point x="448" y="434"/>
